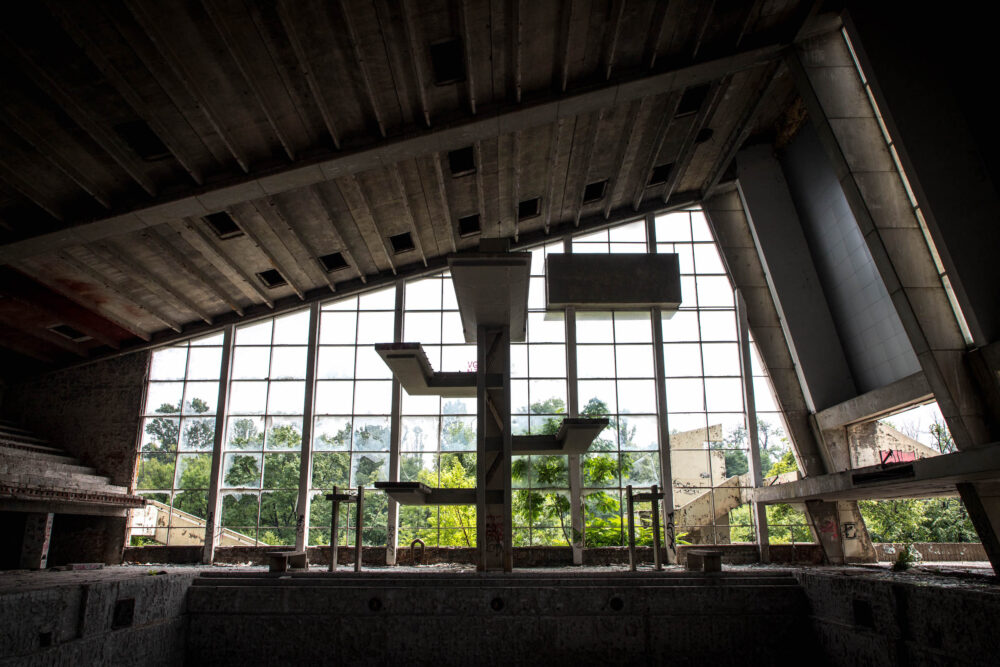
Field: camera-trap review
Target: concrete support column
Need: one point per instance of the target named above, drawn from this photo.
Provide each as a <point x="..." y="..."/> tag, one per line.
<point x="494" y="530"/>
<point x="577" y="523"/>
<point x="825" y="520"/>
<point x="35" y="546"/>
<point x="750" y="406"/>
<point x="213" y="531"/>
<point x="392" y="533"/>
<point x="305" y="461"/>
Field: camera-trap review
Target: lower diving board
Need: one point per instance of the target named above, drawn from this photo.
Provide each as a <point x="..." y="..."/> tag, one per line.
<point x="418" y="493"/>
<point x="573" y="437"/>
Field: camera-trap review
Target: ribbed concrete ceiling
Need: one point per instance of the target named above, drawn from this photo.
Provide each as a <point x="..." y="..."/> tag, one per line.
<point x="338" y="143"/>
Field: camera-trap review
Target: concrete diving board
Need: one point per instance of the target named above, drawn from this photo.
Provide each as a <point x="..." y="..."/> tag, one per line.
<point x="573" y="437"/>
<point x="418" y="493"/>
<point x="409" y="363"/>
<point x="492" y="288"/>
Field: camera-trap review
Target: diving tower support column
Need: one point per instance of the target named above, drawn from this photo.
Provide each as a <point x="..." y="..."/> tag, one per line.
<point x="494" y="525"/>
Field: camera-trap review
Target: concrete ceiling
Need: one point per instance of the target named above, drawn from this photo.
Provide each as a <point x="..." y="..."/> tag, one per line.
<point x="362" y="131"/>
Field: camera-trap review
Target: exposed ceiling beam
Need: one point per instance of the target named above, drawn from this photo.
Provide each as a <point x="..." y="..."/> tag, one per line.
<point x="566" y="22"/>
<point x="656" y="25"/>
<point x="415" y="60"/>
<point x="83" y="117"/>
<point x="63" y="13"/>
<point x="688" y="146"/>
<point x="188" y="79"/>
<point x="192" y="269"/>
<point x="342" y="247"/>
<point x="266" y="250"/>
<point x="203" y="243"/>
<point x="240" y="60"/>
<point x="25" y="187"/>
<point x="359" y="58"/>
<point x="550" y="182"/>
<point x="442" y="194"/>
<point x="629" y="134"/>
<point x="588" y="154"/>
<point x="666" y="118"/>
<point x="400" y="188"/>
<point x="470" y="81"/>
<point x="19" y="286"/>
<point x="515" y="188"/>
<point x="100" y="279"/>
<point x="314" y="88"/>
<point x="30" y="322"/>
<point x="274" y="207"/>
<point x="614" y="28"/>
<point x="459" y="134"/>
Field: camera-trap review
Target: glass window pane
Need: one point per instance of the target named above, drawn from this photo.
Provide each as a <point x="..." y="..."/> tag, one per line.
<point x="198" y="434"/>
<point x="682" y="326"/>
<point x="288" y="363"/>
<point x="724" y="394"/>
<point x="423" y="294"/>
<point x="707" y="258"/>
<point x="371" y="434"/>
<point x="634" y="360"/>
<point x="350" y="303"/>
<point x="673" y="227"/>
<point x="548" y="327"/>
<point x="420" y="405"/>
<point x="638" y="433"/>
<point x="633" y="328"/>
<point x="547" y="360"/>
<point x="336" y="362"/>
<point x="286" y="398"/>
<point x="160" y="434"/>
<point x="156" y="471"/>
<point x="338" y="328"/>
<point x="247" y="398"/>
<point x="383" y="299"/>
<point x="422" y="327"/>
<point x="333" y="433"/>
<point x="595" y="361"/>
<point x="201" y="397"/>
<point x="281" y="471"/>
<point x="637" y="396"/>
<point x="334" y="396"/>
<point x="330" y="469"/>
<point x="250" y="363"/>
<point x="699" y="227"/>
<point x="168" y="364"/>
<point x="370" y="365"/>
<point x="682" y="359"/>
<point x="164" y="397"/>
<point x="193" y="471"/>
<point x="204" y="363"/>
<point x="597" y="397"/>
<point x="375" y="328"/>
<point x="718" y="325"/>
<point x="254" y="334"/>
<point x="458" y="433"/>
<point x="372" y="397"/>
<point x="594" y="327"/>
<point x="634" y="232"/>
<point x="241" y="470"/>
<point x="366" y="469"/>
<point x="419" y="434"/>
<point x="284" y="433"/>
<point x="292" y="329"/>
<point x="685" y="395"/>
<point x="546" y="395"/>
<point x="458" y="358"/>
<point x="245" y="433"/>
<point x="714" y="291"/>
<point x="451" y="329"/>
<point x="721" y="359"/>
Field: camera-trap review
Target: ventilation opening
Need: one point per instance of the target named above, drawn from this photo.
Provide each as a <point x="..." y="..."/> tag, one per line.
<point x="333" y="262"/>
<point x="401" y="242"/>
<point x="529" y="208"/>
<point x="462" y="161"/>
<point x="594" y="191"/>
<point x="447" y="62"/>
<point x="704" y="134"/>
<point x="223" y="225"/>
<point x="45" y="639"/>
<point x="69" y="332"/>
<point x="142" y="140"/>
<point x="124" y="614"/>
<point x="469" y="225"/>
<point x="660" y="174"/>
<point x="691" y="101"/>
<point x="271" y="278"/>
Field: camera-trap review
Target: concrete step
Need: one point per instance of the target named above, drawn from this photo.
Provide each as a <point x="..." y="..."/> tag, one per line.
<point x="62" y="481"/>
<point x="13" y="463"/>
<point x="20" y="434"/>
<point x="35" y="454"/>
<point x="39" y="446"/>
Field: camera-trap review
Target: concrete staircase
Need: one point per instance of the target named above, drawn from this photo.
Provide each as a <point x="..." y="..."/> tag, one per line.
<point x="34" y="471"/>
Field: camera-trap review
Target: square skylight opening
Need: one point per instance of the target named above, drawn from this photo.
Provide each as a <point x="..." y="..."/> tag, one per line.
<point x="448" y="62"/>
<point x="271" y="278"/>
<point x="401" y="243"/>
<point x="462" y="161"/>
<point x="223" y="225"/>
<point x="469" y="225"/>
<point x="594" y="191"/>
<point x="66" y="331"/>
<point x="660" y="174"/>
<point x="529" y="208"/>
<point x="333" y="262"/>
<point x="691" y="101"/>
<point x="141" y="139"/>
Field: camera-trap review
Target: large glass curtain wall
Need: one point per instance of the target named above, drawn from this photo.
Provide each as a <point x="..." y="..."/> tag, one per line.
<point x="353" y="413"/>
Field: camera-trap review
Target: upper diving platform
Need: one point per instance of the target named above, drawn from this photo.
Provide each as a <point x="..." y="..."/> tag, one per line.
<point x="491" y="286"/>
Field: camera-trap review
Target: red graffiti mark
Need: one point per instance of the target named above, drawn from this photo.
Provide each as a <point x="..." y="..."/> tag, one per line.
<point x="896" y="456"/>
<point x="829" y="527"/>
